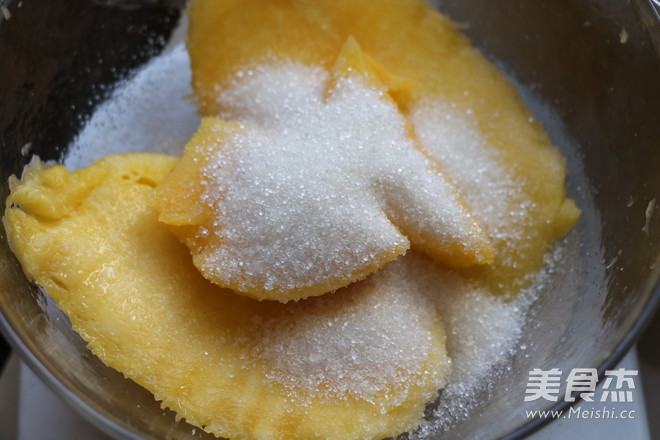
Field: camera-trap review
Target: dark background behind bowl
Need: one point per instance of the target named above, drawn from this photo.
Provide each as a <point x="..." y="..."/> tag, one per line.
<point x="598" y="95"/>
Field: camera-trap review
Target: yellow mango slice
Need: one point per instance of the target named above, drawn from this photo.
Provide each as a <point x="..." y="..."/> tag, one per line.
<point x="353" y="61"/>
<point x="358" y="364"/>
<point x="319" y="185"/>
<point x="435" y="67"/>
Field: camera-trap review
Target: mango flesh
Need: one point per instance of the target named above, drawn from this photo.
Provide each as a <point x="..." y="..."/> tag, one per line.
<point x="128" y="286"/>
<point x="337" y="243"/>
<point x="427" y="60"/>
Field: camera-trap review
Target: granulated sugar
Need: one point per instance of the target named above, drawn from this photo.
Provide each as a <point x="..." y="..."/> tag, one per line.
<point x="150" y="111"/>
<point x="493" y="194"/>
<point x="482" y="330"/>
<point x="483" y="334"/>
<point x="363" y="341"/>
<point x="312" y="189"/>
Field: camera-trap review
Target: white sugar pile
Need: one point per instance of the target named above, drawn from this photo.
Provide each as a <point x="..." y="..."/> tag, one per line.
<point x="483" y="333"/>
<point x="492" y="192"/>
<point x="482" y="330"/>
<point x="311" y="187"/>
<point x="371" y="338"/>
<point x="150" y="111"/>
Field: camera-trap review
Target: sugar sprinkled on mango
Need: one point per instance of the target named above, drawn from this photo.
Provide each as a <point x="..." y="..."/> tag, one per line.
<point x="317" y="186"/>
<point x="435" y="75"/>
<point x="361" y="363"/>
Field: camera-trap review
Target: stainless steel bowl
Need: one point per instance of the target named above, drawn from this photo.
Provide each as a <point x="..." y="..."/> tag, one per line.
<point x="589" y="69"/>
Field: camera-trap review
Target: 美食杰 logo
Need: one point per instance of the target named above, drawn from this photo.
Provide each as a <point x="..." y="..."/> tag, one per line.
<point x="616" y="387"/>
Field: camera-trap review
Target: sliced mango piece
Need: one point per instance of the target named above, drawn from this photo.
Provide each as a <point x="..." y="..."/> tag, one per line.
<point x="436" y="68"/>
<point x="319" y="186"/>
<point x="354" y="61"/>
<point x="358" y="364"/>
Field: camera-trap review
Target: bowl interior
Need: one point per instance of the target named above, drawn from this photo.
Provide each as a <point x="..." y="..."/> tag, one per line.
<point x="589" y="71"/>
